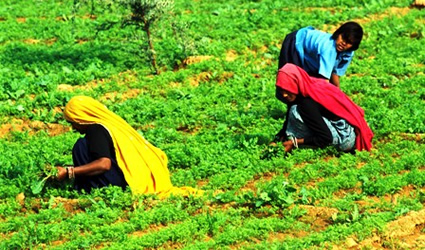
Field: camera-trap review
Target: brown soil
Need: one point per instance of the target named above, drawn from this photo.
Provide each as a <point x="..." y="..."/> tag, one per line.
<point x="418" y="137"/>
<point x="231" y="55"/>
<point x="21" y="19"/>
<point x="404" y="233"/>
<point x="70" y="205"/>
<point x="123" y="78"/>
<point x="32" y="127"/>
<point x="203" y="77"/>
<point x="418" y="4"/>
<point x="252" y="184"/>
<point x="150" y="229"/>
<point x="31" y="41"/>
<point x="192" y="60"/>
<point x="115" y="96"/>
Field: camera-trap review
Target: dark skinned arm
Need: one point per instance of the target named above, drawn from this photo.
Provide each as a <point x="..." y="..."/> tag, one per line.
<point x="95" y="167"/>
<point x="334" y="79"/>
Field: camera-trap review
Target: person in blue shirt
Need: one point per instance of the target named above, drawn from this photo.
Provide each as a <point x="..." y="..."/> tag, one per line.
<point x="321" y="54"/>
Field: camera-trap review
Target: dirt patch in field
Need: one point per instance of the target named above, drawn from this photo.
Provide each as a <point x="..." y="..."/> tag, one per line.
<point x="231" y="55"/>
<point x="404" y="233"/>
<point x="418" y="137"/>
<point x="192" y="60"/>
<point x="32" y="127"/>
<point x="407" y="225"/>
<point x="89" y="86"/>
<point x="123" y="78"/>
<point x="371" y="202"/>
<point x="202" y="183"/>
<point x="343" y="192"/>
<point x="420" y="4"/>
<point x="37" y="41"/>
<point x="262" y="178"/>
<point x="151" y="228"/>
<point x="21" y="20"/>
<point x="70" y="205"/>
<point x="172" y="245"/>
<point x="204" y="77"/>
<point x="200" y="78"/>
<point x="279" y="236"/>
<point x="31" y="41"/>
<point x="189" y="129"/>
<point x="318" y="217"/>
<point x="89" y="16"/>
<point x="115" y="96"/>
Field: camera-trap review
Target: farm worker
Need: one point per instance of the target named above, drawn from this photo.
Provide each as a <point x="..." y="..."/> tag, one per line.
<point x="319" y="114"/>
<point x="113" y="153"/>
<point x="321" y="54"/>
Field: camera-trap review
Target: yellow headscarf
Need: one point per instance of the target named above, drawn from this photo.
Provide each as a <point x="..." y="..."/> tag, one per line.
<point x="144" y="166"/>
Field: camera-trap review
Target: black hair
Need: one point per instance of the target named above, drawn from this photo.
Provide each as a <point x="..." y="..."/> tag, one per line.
<point x="351" y="32"/>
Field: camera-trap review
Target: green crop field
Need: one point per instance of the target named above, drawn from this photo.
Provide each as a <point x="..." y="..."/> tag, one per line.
<point x="213" y="111"/>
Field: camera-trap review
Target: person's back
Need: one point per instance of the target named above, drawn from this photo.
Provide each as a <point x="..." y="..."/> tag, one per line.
<point x="322" y="54"/>
<point x="318" y="51"/>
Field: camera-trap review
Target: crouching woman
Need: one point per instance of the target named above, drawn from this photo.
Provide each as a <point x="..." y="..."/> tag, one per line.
<point x="319" y="114"/>
<point x="113" y="153"/>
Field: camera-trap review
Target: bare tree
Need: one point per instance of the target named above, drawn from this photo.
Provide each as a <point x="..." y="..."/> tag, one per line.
<point x="143" y="14"/>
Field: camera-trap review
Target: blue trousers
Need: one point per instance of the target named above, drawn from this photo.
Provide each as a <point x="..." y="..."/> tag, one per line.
<point x="81" y="156"/>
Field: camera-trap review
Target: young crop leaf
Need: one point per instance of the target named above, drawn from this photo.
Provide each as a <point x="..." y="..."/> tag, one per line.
<point x="37" y="186"/>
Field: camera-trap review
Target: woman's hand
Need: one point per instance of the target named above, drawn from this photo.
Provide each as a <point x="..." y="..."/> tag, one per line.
<point x="62" y="175"/>
<point x="294" y="142"/>
<point x="289" y="145"/>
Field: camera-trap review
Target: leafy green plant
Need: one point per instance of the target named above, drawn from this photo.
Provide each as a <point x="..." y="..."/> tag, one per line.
<point x="277" y="193"/>
<point x="37" y="185"/>
<point x="213" y="116"/>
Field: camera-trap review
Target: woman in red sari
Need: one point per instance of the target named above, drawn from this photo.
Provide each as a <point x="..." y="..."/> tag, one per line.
<point x="319" y="114"/>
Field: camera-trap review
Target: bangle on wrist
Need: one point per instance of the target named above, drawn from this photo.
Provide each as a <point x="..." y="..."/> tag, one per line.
<point x="294" y="141"/>
<point x="70" y="172"/>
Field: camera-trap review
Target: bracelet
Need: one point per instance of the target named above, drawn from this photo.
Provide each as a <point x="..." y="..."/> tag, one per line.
<point x="71" y="173"/>
<point x="294" y="141"/>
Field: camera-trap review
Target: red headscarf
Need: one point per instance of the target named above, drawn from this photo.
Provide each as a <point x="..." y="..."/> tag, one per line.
<point x="295" y="80"/>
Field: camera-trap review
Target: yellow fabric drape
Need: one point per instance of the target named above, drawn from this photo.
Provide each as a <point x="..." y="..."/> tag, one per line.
<point x="144" y="166"/>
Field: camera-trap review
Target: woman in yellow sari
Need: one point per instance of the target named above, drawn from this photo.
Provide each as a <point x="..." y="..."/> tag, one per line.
<point x="113" y="153"/>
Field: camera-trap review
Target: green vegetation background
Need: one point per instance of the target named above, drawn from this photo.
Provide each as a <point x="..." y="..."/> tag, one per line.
<point x="214" y="119"/>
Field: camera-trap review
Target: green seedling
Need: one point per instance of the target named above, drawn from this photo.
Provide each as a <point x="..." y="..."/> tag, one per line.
<point x="37" y="185"/>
